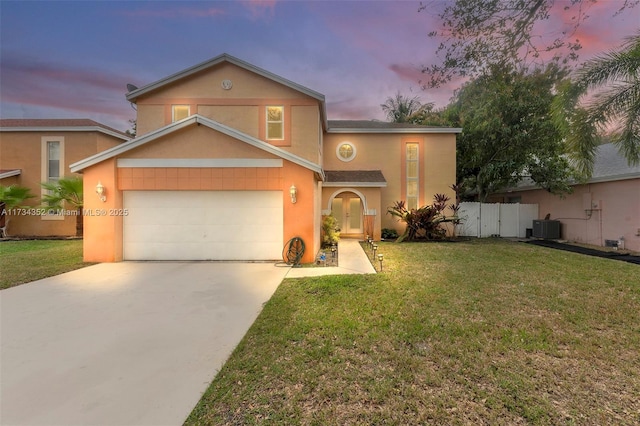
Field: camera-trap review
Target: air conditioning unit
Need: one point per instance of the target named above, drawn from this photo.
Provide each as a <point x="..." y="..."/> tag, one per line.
<point x="547" y="229"/>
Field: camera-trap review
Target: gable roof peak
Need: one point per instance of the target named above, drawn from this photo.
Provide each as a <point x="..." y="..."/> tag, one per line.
<point x="222" y="58"/>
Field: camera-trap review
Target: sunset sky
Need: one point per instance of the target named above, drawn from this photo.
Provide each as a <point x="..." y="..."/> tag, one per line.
<point x="74" y="59"/>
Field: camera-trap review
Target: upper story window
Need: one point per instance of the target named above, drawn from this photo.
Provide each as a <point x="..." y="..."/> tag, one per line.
<point x="346" y="151"/>
<point x="178" y="112"/>
<point x="52" y="158"/>
<point x="275" y="122"/>
<point x="412" y="175"/>
<point x="52" y="169"/>
<point x="53" y="161"/>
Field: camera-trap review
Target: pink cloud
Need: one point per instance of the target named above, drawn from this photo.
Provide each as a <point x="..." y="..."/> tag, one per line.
<point x="261" y="8"/>
<point x="18" y="71"/>
<point x="174" y="12"/>
<point x="407" y="72"/>
<point x="26" y="81"/>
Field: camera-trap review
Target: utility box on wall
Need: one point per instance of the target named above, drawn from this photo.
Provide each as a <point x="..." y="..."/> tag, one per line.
<point x="547" y="229"/>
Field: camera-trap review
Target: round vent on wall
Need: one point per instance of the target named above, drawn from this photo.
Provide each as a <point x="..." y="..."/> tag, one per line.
<point x="346" y="151"/>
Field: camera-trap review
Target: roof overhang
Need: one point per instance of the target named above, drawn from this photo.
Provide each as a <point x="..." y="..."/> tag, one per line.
<point x="354" y="178"/>
<point x="411" y="130"/>
<point x="190" y="121"/>
<point x="354" y="184"/>
<point x="9" y="173"/>
<point x="57" y="129"/>
<point x="530" y="186"/>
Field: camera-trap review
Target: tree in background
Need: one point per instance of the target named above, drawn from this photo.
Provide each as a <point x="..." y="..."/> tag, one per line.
<point x="401" y="109"/>
<point x="615" y="78"/>
<point x="67" y="190"/>
<point x="476" y="35"/>
<point x="134" y="128"/>
<point x="507" y="132"/>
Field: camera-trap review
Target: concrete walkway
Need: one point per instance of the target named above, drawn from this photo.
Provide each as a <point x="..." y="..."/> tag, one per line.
<point x="351" y="260"/>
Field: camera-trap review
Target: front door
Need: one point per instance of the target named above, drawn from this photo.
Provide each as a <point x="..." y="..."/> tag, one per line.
<point x="347" y="209"/>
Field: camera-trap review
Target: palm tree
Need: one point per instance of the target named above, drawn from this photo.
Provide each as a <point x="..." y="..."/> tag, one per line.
<point x="614" y="81"/>
<point x="67" y="190"/>
<point x="11" y="197"/>
<point x="401" y="108"/>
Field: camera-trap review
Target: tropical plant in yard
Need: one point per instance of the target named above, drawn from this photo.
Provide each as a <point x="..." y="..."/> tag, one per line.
<point x="66" y="190"/>
<point x="330" y="231"/>
<point x="14" y="196"/>
<point x="424" y="222"/>
<point x="11" y="197"/>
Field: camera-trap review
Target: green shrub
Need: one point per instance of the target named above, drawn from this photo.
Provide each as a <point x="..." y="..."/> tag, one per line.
<point x="330" y="231"/>
<point x="389" y="234"/>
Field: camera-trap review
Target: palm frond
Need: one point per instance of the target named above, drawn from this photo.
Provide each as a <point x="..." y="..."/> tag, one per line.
<point x="64" y="190"/>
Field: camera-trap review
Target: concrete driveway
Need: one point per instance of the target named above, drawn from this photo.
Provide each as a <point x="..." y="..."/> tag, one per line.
<point x="130" y="343"/>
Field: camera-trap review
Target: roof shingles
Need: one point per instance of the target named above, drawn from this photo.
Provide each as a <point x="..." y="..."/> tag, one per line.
<point x="354" y="176"/>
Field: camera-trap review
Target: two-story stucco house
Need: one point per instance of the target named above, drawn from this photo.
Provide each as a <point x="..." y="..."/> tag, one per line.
<point x="232" y="161"/>
<point x="33" y="151"/>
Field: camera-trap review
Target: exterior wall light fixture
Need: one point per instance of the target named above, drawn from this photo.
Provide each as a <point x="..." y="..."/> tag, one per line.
<point x="101" y="192"/>
<point x="293" y="192"/>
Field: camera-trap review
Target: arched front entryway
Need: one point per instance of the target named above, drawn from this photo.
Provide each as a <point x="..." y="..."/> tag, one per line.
<point x="348" y="206"/>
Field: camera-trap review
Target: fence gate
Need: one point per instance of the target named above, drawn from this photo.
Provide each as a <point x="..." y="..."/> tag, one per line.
<point x="484" y="220"/>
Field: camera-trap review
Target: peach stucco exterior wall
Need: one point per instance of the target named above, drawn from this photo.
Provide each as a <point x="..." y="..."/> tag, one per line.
<point x="242" y="107"/>
<point x="615" y="211"/>
<point x="300" y="219"/>
<point x="23" y="150"/>
<point x="200" y="178"/>
<point x="197" y="142"/>
<point x="385" y="152"/>
<point x="103" y="221"/>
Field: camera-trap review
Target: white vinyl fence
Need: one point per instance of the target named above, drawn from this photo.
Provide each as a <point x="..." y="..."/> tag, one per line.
<point x="484" y="220"/>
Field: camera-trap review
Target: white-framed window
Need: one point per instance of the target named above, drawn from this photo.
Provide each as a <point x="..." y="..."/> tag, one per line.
<point x="275" y="122"/>
<point x="52" y="165"/>
<point x="178" y="112"/>
<point x="52" y="158"/>
<point x="412" y="173"/>
<point x="346" y="151"/>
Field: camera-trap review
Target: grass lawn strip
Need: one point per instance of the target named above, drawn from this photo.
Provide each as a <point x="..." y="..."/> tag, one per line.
<point x="30" y="260"/>
<point x="479" y="332"/>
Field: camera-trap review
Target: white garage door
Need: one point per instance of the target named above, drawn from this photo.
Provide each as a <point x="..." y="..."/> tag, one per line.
<point x="203" y="225"/>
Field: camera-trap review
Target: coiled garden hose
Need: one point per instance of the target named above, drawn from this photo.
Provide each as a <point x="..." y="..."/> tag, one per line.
<point x="293" y="251"/>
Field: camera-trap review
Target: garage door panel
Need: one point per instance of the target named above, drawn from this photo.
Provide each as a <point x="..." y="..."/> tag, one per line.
<point x="203" y="225"/>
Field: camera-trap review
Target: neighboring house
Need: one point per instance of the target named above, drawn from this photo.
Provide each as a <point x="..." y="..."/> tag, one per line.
<point x="33" y="151"/>
<point x="607" y="207"/>
<point x="233" y="161"/>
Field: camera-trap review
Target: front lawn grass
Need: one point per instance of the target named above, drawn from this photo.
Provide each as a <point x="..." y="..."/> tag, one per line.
<point x="479" y="332"/>
<point x="30" y="260"/>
